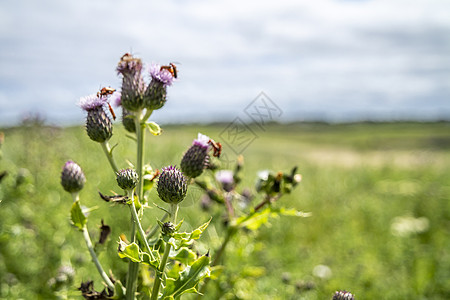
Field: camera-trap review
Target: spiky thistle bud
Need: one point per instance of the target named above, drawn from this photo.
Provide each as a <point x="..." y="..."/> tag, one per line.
<point x="72" y="177"/>
<point x="172" y="185"/>
<point x="127" y="179"/>
<point x="156" y="93"/>
<point x="98" y="123"/>
<point x="133" y="85"/>
<point x="168" y="228"/>
<point x="343" y="295"/>
<point x="196" y="158"/>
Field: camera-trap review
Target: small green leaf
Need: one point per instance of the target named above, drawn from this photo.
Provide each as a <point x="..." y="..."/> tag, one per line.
<point x="183" y="255"/>
<point x="153" y="128"/>
<point x="147" y="260"/>
<point x="130" y="251"/>
<point x="77" y="216"/>
<point x="188" y="279"/>
<point x="180" y="239"/>
<point x="119" y="291"/>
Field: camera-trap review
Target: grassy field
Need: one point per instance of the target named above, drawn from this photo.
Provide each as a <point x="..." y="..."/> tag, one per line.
<point x="379" y="194"/>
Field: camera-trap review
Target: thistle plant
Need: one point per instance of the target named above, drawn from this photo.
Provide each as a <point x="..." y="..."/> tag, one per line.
<point x="164" y="254"/>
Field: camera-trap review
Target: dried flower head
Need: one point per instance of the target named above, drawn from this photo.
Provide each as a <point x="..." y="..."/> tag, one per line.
<point x="72" y="177"/>
<point x="196" y="158"/>
<point x="172" y="185"/>
<point x="127" y="179"/>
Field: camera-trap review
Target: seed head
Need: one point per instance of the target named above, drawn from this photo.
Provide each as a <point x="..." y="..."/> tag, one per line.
<point x="343" y="295"/>
<point x="196" y="158"/>
<point x="127" y="179"/>
<point x="172" y="185"/>
<point x="72" y="177"/>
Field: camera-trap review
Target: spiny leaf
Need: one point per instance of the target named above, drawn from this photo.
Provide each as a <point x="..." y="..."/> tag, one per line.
<point x="188" y="279"/>
<point x="183" y="255"/>
<point x="180" y="239"/>
<point x="130" y="251"/>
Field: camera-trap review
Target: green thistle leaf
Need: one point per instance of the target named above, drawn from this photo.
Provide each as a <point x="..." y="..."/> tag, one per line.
<point x="188" y="279"/>
<point x="77" y="216"/>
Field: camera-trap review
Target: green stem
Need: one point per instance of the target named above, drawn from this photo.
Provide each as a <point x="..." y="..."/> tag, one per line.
<point x="162" y="265"/>
<point x="140" y="230"/>
<point x="88" y="241"/>
<point x="107" y="149"/>
<point x="133" y="267"/>
<point x="90" y="247"/>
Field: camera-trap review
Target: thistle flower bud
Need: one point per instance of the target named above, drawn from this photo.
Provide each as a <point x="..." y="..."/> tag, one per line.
<point x="72" y="177"/>
<point x="132" y="82"/>
<point x="98" y="124"/>
<point x="156" y="92"/>
<point x="196" y="159"/>
<point x="168" y="228"/>
<point x="343" y="295"/>
<point x="127" y="179"/>
<point x="172" y="185"/>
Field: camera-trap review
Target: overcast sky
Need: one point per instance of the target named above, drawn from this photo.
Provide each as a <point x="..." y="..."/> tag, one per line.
<point x="335" y="60"/>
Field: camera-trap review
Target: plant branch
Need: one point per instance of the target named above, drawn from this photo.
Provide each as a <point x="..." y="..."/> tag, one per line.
<point x="162" y="265"/>
<point x="107" y="150"/>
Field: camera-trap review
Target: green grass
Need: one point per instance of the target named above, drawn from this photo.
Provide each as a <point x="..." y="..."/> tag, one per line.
<point x="357" y="178"/>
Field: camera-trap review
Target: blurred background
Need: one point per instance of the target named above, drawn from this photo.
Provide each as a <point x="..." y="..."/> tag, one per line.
<point x="333" y="60"/>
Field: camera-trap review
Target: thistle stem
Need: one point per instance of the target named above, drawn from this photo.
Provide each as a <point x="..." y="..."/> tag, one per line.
<point x="162" y="265"/>
<point x="88" y="241"/>
<point x="133" y="267"/>
<point x="107" y="149"/>
<point x="140" y="230"/>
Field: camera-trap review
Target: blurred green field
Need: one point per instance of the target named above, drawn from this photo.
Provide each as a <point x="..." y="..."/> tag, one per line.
<point x="358" y="179"/>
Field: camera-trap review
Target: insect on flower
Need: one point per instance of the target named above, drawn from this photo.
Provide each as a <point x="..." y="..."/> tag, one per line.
<point x="217" y="148"/>
<point x="105" y="92"/>
<point x="171" y="68"/>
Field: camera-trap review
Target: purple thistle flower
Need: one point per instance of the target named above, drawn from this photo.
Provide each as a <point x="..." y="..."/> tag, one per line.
<point x="225" y="177"/>
<point x="133" y="85"/>
<point x="343" y="295"/>
<point x="98" y="123"/>
<point x="155" y="95"/>
<point x="72" y="177"/>
<point x="172" y="185"/>
<point x="196" y="158"/>
<point x="91" y="102"/>
<point x="161" y="75"/>
<point x="129" y="64"/>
